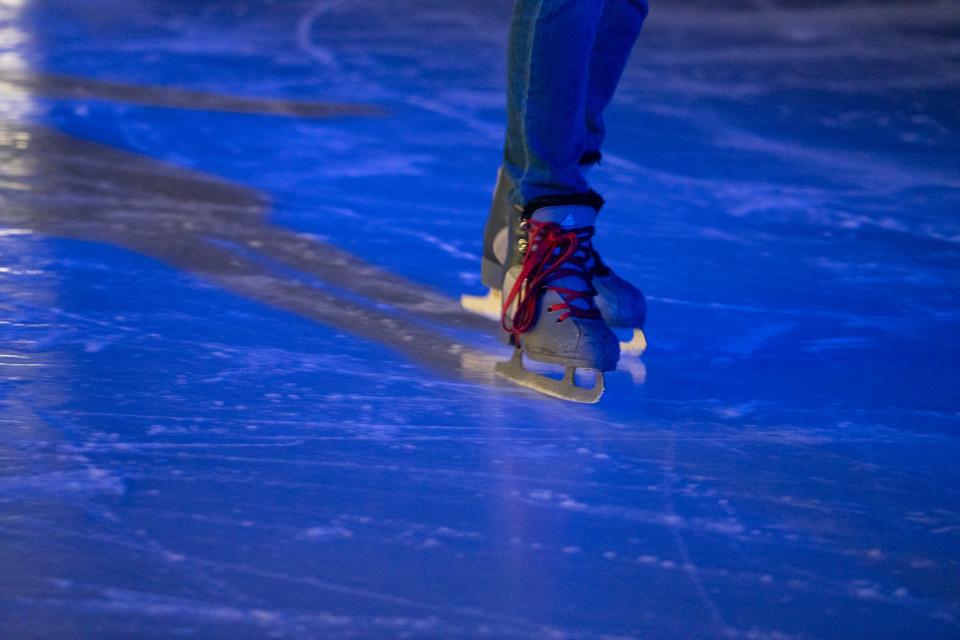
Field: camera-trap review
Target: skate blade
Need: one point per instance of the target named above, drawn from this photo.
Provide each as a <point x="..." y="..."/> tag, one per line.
<point x="564" y="389"/>
<point x="488" y="306"/>
<point x="636" y="345"/>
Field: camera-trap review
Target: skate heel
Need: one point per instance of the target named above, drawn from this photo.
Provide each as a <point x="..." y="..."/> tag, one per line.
<point x="491" y="272"/>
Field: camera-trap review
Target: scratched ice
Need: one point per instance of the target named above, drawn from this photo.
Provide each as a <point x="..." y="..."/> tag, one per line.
<point x="239" y="400"/>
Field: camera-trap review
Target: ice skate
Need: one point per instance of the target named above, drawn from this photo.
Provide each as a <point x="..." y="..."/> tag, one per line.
<point x="549" y="312"/>
<point x="621" y="304"/>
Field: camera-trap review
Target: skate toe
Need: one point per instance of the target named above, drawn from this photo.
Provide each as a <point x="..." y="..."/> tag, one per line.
<point x="587" y="344"/>
<point x="621" y="304"/>
<point x="598" y="345"/>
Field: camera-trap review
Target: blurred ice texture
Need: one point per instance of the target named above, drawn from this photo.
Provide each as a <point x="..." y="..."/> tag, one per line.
<point x="235" y="400"/>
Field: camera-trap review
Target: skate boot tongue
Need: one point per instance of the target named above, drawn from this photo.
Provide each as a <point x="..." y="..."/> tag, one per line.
<point x="572" y="217"/>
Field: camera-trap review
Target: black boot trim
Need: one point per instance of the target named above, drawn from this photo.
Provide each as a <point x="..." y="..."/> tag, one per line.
<point x="599" y="267"/>
<point x="590" y="157"/>
<point x="590" y="198"/>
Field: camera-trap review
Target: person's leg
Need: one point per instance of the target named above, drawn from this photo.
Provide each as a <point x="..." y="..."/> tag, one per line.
<point x="550" y="53"/>
<point x="621" y="303"/>
<point x="547" y="306"/>
<point x="616" y="35"/>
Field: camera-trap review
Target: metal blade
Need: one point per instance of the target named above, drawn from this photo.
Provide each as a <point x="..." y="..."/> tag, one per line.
<point x="565" y="389"/>
<point x="488" y="306"/>
<point x="636" y="345"/>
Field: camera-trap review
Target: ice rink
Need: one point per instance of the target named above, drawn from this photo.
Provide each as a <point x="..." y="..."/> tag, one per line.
<point x="239" y="399"/>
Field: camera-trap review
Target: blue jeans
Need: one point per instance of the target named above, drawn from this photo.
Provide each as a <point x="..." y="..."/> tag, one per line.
<point x="564" y="62"/>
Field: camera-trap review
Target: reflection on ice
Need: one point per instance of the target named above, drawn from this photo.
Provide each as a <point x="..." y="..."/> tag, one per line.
<point x="91" y="192"/>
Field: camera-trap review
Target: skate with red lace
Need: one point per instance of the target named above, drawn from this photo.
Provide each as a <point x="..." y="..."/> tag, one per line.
<point x="621" y="304"/>
<point x="548" y="310"/>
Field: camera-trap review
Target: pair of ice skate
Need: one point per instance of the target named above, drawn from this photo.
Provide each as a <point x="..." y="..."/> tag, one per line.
<point x="555" y="298"/>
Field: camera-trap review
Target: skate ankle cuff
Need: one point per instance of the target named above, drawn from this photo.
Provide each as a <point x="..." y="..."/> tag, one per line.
<point x="590" y="199"/>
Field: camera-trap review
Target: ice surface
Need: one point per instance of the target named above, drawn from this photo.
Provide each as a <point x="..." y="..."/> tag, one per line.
<point x="238" y="399"/>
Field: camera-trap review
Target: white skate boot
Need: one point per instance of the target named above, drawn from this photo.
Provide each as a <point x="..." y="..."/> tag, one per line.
<point x="549" y="311"/>
<point x="621" y="304"/>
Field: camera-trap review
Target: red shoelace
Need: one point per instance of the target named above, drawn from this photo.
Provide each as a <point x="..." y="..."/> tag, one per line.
<point x="553" y="252"/>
